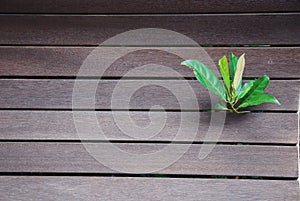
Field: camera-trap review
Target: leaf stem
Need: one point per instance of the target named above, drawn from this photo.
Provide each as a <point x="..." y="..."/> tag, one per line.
<point x="232" y="105"/>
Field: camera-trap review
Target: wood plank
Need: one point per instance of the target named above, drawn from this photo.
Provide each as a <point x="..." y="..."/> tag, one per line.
<point x="59" y="125"/>
<point x="236" y="160"/>
<point x="58" y="94"/>
<point x="95" y="188"/>
<point x="92" y="30"/>
<point x="66" y="61"/>
<point x="158" y="6"/>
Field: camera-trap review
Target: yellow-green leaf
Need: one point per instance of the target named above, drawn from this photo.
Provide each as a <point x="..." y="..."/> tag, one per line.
<point x="223" y="63"/>
<point x="239" y="71"/>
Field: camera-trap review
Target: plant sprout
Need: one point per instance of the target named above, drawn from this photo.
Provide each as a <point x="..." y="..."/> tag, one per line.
<point x="234" y="95"/>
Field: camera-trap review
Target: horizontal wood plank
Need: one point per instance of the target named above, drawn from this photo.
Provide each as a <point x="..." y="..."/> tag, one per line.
<point x="268" y="161"/>
<point x="95" y="188"/>
<point x="66" y="61"/>
<point x="59" y="125"/>
<point x="142" y="6"/>
<point x="92" y="30"/>
<point x="126" y="94"/>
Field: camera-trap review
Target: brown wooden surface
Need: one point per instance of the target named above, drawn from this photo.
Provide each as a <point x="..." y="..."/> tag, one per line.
<point x="279" y="29"/>
<point x="268" y="161"/>
<point x="42" y="47"/>
<point x="95" y="188"/>
<point x="59" y="125"/>
<point x="66" y="61"/>
<point x="57" y="93"/>
<point x="142" y="6"/>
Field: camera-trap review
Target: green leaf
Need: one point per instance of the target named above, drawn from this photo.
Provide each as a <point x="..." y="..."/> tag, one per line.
<point x="244" y="90"/>
<point x="259" y="85"/>
<point x="199" y="78"/>
<point x="239" y="72"/>
<point x="223" y="63"/>
<point x="255" y="95"/>
<point x="206" y="76"/>
<point x="232" y="65"/>
<point x="257" y="99"/>
<point x="221" y="106"/>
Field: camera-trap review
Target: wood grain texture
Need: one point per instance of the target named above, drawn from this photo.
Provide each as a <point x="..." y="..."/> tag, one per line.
<point x="66" y="61"/>
<point x="218" y="23"/>
<point x="92" y="30"/>
<point x="126" y="94"/>
<point x="272" y="161"/>
<point x="59" y="125"/>
<point x="142" y="6"/>
<point x="95" y="188"/>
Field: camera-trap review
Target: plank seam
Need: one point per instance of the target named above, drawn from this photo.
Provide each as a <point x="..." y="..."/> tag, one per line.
<point x="149" y="13"/>
<point x="136" y="110"/>
<point x="123" y="78"/>
<point x="296" y="45"/>
<point x="153" y="14"/>
<point x="169" y="176"/>
<point x="297" y="145"/>
<point x="145" y="142"/>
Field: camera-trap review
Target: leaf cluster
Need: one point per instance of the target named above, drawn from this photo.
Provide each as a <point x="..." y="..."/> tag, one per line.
<point x="233" y="94"/>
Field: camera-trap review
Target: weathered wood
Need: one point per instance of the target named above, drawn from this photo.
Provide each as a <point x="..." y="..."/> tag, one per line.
<point x="91" y="30"/>
<point x="59" y="125"/>
<point x="42" y="142"/>
<point x="269" y="161"/>
<point x="142" y="6"/>
<point x="66" y="61"/>
<point x="95" y="188"/>
<point x="57" y="94"/>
